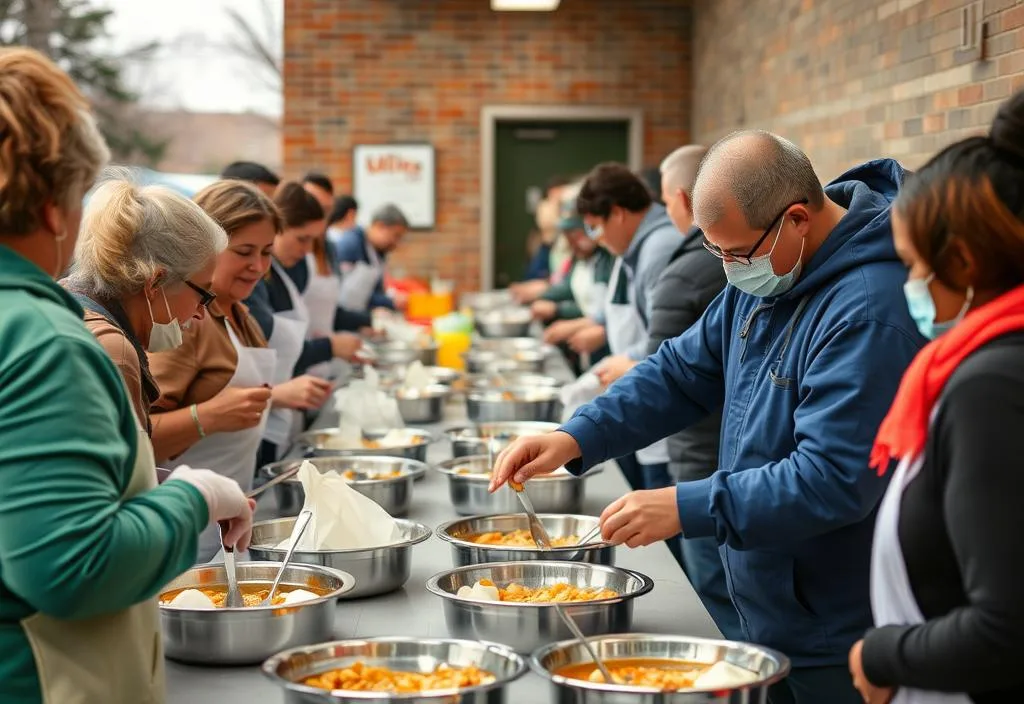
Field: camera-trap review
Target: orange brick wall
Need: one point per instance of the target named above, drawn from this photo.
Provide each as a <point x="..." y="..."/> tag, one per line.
<point x="372" y="71"/>
<point x="849" y="80"/>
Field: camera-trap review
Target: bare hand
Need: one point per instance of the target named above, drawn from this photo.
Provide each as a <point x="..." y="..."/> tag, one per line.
<point x="561" y="330"/>
<point x="345" y="345"/>
<point x="641" y="518"/>
<point x="304" y="393"/>
<point x="611" y="369"/>
<point x="871" y="693"/>
<point x="589" y="339"/>
<point x="532" y="455"/>
<point x="234" y="408"/>
<point x="544" y="310"/>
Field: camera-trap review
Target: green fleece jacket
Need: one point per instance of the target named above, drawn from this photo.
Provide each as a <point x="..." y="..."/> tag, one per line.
<point x="561" y="293"/>
<point x="69" y="546"/>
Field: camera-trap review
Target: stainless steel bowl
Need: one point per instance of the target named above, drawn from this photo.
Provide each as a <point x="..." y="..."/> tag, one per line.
<point x="465" y="552"/>
<point x="511" y="379"/>
<point x="394" y="494"/>
<point x="249" y="635"/>
<point x="289" y="668"/>
<point x="513" y="321"/>
<point x="376" y="570"/>
<point x="317" y="443"/>
<point x="555" y="493"/>
<point x="422" y="405"/>
<point x="394" y="353"/>
<point x="508" y="345"/>
<point x="394" y="377"/>
<point x="491" y="362"/>
<point x="769" y="664"/>
<point x="486" y="300"/>
<point x="493" y="405"/>
<point x="473" y="439"/>
<point x="526" y="627"/>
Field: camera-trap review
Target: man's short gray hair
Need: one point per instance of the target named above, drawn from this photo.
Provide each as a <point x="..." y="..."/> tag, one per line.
<point x="761" y="171"/>
<point x="389" y="215"/>
<point x="679" y="169"/>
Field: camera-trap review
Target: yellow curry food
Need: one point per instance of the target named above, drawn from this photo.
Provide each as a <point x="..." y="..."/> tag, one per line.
<point x="519" y="539"/>
<point x="252" y="594"/>
<point x="360" y="677"/>
<point x="377" y="445"/>
<point x="659" y="673"/>
<point x="353" y="475"/>
<point x="551" y="593"/>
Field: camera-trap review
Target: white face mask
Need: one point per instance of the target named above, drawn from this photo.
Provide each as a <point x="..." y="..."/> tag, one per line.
<point x="758" y="278"/>
<point x="164" y="336"/>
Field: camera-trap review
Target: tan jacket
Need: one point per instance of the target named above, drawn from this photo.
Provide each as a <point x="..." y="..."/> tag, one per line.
<point x="117" y="346"/>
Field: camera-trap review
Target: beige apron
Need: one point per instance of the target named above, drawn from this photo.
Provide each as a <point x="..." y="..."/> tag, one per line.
<point x="112" y="659"/>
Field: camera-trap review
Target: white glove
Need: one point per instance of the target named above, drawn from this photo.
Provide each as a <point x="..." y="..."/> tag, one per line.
<point x="225" y="502"/>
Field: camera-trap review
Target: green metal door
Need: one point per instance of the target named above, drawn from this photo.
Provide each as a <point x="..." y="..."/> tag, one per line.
<point x="527" y="154"/>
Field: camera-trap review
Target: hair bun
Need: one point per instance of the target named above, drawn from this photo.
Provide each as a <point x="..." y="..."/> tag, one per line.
<point x="1007" y="131"/>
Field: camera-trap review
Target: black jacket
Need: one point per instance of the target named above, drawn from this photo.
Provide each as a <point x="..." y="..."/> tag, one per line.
<point x="344" y="319"/>
<point x="693" y="278"/>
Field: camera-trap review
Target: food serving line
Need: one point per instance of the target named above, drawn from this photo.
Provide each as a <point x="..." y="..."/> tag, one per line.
<point x="671" y="607"/>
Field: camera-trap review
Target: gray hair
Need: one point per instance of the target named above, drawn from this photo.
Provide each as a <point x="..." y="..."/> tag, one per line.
<point x="761" y="172"/>
<point x="130" y="234"/>
<point x="679" y="169"/>
<point x="389" y="215"/>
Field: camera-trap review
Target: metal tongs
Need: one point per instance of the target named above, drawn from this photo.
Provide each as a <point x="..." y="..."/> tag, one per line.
<point x="297" y="530"/>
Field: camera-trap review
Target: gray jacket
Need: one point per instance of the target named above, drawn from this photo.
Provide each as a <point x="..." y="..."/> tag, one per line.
<point x="648" y="254"/>
<point x="692" y="279"/>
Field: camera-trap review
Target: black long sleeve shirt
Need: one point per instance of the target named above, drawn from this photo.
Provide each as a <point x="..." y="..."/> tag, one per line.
<point x="961" y="530"/>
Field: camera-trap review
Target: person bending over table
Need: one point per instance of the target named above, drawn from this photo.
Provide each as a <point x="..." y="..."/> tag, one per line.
<point x="803" y="351"/>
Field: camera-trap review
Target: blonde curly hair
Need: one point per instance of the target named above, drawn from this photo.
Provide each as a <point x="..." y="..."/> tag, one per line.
<point x="50" y="148"/>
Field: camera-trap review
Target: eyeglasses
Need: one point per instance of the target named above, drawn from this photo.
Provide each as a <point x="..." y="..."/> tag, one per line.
<point x="746" y="258"/>
<point x="205" y="297"/>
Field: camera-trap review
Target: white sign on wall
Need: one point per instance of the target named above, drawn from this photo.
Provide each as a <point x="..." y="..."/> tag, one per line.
<point x="401" y="174"/>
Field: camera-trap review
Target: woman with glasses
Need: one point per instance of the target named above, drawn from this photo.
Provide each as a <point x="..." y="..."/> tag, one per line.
<point x="142" y="271"/>
<point x="945" y="564"/>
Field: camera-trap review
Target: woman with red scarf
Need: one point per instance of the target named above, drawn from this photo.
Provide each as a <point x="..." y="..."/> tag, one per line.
<point x="949" y="538"/>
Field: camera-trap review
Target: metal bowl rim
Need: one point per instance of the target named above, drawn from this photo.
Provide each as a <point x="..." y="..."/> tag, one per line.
<point x="551" y="393"/>
<point x="543" y="651"/>
<point x="450" y="471"/>
<point x="270" y="665"/>
<point x="305" y="439"/>
<point x="423" y="533"/>
<point x="415" y="472"/>
<point x="431" y="392"/>
<point x="646" y="584"/>
<point x="442" y="532"/>
<point x="452" y="432"/>
<point x="348" y="583"/>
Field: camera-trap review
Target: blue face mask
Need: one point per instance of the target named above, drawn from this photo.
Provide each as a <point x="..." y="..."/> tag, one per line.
<point x="758" y="278"/>
<point x="922" y="307"/>
<point x="593" y="233"/>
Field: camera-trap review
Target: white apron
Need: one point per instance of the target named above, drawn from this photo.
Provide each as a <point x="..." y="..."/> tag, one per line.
<point x="624" y="327"/>
<point x="892" y="600"/>
<point x="581" y="283"/>
<point x="288" y="338"/>
<point x="321" y="299"/>
<point x="115" y="658"/>
<point x="233" y="454"/>
<point x="358" y="282"/>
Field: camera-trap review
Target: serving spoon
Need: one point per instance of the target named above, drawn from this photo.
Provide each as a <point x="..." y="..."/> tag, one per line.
<point x="298" y="529"/>
<point x="234" y="597"/>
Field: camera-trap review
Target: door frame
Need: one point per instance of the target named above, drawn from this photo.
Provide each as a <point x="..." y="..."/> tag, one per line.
<point x="491" y="115"/>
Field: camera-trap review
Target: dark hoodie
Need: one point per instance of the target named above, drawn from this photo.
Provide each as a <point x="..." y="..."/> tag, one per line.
<point x="805" y="379"/>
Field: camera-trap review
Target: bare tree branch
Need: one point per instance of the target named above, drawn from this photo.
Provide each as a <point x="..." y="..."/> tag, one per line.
<point x="252" y="44"/>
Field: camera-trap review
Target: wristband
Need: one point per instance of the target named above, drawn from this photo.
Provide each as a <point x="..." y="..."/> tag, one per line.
<point x="194" y="409"/>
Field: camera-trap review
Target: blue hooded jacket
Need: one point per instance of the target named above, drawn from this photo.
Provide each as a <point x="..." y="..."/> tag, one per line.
<point x="805" y="379"/>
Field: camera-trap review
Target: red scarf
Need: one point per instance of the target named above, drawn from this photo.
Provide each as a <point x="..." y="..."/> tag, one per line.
<point x="905" y="428"/>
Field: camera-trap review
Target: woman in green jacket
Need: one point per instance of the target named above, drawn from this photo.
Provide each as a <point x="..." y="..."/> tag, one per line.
<point x="86" y="538"/>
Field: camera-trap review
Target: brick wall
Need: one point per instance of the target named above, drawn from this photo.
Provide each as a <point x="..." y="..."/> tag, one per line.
<point x="849" y="80"/>
<point x="371" y="71"/>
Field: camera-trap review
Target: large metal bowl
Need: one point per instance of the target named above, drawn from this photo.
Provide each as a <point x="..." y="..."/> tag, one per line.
<point x="513" y="379"/>
<point x="486" y="300"/>
<point x="422" y="405"/>
<point x="377" y="570"/>
<point x="470" y="440"/>
<point x="526" y="627"/>
<point x="457" y="533"/>
<point x="394" y="494"/>
<point x="289" y="668"/>
<point x="769" y="664"/>
<point x="495" y="363"/>
<point x="509" y="345"/>
<point x="394" y="377"/>
<point x="245" y="636"/>
<point x="512" y="321"/>
<point x="526" y="403"/>
<point x="555" y="493"/>
<point x="394" y="353"/>
<point x="316" y="443"/>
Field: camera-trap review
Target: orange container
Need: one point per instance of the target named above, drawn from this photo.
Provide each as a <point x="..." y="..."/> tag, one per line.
<point x="424" y="305"/>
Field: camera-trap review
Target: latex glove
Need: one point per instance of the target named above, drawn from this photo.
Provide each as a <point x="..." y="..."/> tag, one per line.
<point x="225" y="501"/>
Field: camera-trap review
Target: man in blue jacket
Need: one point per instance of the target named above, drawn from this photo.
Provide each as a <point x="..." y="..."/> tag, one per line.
<point x="363" y="256"/>
<point x="803" y="352"/>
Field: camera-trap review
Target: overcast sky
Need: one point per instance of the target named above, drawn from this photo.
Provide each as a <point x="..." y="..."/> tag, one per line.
<point x="194" y="69"/>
